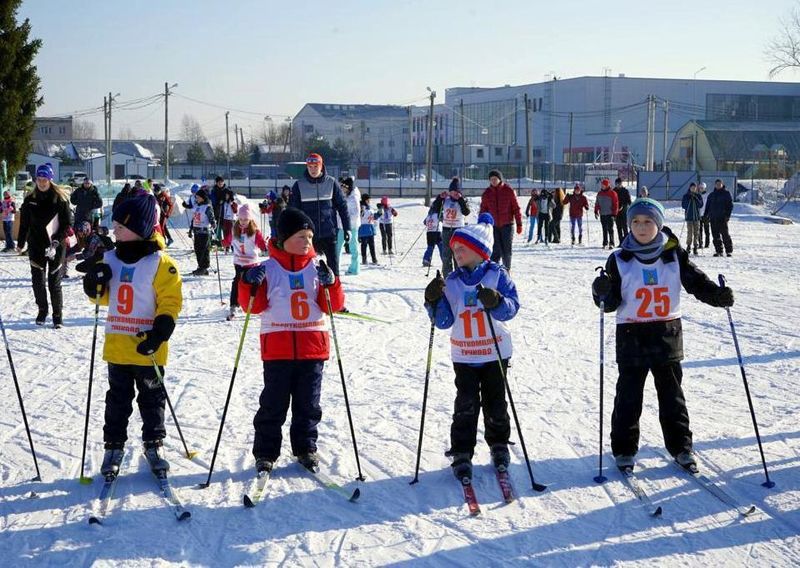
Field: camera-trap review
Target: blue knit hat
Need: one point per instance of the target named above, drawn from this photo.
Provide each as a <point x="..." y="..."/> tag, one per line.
<point x="649" y="207"/>
<point x="478" y="237"/>
<point x="138" y="214"/>
<point x="45" y="171"/>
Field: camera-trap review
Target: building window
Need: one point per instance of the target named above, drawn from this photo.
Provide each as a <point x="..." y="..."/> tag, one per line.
<point x="479" y="153"/>
<point x="391" y="143"/>
<point x="380" y="143"/>
<point x="498" y="152"/>
<point x="517" y="154"/>
<point x="308" y="128"/>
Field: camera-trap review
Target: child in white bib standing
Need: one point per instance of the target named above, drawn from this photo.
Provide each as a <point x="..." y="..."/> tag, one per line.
<point x="461" y="303"/>
<point x="642" y="283"/>
<point x="141" y="286"/>
<point x="247" y="241"/>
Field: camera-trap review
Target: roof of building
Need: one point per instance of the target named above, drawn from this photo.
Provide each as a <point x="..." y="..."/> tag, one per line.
<point x="358" y="111"/>
<point x="146" y="149"/>
<point x="739" y="139"/>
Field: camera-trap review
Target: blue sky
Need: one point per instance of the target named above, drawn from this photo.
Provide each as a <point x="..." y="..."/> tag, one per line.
<point x="269" y="58"/>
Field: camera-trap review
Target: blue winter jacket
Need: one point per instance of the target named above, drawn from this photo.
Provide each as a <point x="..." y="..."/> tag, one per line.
<point x="719" y="205"/>
<point x="692" y="203"/>
<point x="505" y="310"/>
<point x="321" y="199"/>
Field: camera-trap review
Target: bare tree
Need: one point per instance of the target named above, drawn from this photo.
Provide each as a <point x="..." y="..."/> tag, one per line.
<point x="783" y="51"/>
<point x="126" y="133"/>
<point x="191" y="131"/>
<point x="83" y="130"/>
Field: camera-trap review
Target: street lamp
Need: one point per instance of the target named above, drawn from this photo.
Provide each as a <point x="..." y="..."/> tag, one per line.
<point x="166" y="129"/>
<point x="694" y="85"/>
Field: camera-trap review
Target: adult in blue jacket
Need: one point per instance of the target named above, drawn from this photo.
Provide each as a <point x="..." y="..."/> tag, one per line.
<point x="719" y="206"/>
<point x="319" y="196"/>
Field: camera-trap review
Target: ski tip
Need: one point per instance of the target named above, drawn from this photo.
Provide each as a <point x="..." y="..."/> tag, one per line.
<point x="185" y="515"/>
<point x="768" y="484"/>
<point x="356" y="494"/>
<point x="85" y="480"/>
<point x="248" y="503"/>
<point x="191" y="455"/>
<point x="749" y="511"/>
<point x="658" y="512"/>
<point x="600" y="478"/>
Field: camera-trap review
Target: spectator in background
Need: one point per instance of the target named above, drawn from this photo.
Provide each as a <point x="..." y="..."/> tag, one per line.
<point x="452" y="209"/>
<point x="319" y="196"/>
<point x="719" y="207"/>
<point x="692" y="204"/>
<point x="532" y="212"/>
<point x="86" y="199"/>
<point x="643" y="192"/>
<point x="606" y="208"/>
<point x="353" y="198"/>
<point x="500" y="200"/>
<point x="577" y="205"/>
<point x="558" y="214"/>
<point x="124" y="193"/>
<point x="623" y="201"/>
<point x="545" y="207"/>
<point x="705" y="223"/>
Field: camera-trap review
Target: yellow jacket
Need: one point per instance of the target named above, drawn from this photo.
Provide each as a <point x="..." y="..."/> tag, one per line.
<point x="121" y="349"/>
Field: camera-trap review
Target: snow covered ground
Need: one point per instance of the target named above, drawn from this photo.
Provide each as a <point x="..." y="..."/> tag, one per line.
<point x="554" y="379"/>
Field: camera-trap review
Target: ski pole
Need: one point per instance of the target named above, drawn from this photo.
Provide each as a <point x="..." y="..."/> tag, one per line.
<point x="19" y="397"/>
<point x="768" y="483"/>
<point x="412" y="246"/>
<point x="341" y="374"/>
<point x="219" y="277"/>
<point x="600" y="478"/>
<point x="536" y="486"/>
<point x="189" y="455"/>
<point x="425" y="392"/>
<point x="230" y="387"/>
<point x="83" y="479"/>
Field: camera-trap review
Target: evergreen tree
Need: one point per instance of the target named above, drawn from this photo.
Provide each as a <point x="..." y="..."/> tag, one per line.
<point x="195" y="154"/>
<point x="19" y="86"/>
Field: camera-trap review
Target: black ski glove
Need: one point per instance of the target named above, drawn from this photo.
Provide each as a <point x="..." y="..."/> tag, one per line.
<point x="435" y="289"/>
<point x="163" y="326"/>
<point x="97" y="275"/>
<point x="724" y="297"/>
<point x="489" y="298"/>
<point x="325" y="274"/>
<point x="601" y="286"/>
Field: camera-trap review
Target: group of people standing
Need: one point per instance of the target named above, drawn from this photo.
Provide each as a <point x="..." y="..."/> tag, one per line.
<point x="547" y="208"/>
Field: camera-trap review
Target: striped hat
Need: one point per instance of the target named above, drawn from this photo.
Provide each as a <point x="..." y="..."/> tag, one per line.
<point x="478" y="237"/>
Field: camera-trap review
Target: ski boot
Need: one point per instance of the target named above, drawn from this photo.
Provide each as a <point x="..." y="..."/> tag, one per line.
<point x="57" y="322"/>
<point x="462" y="466"/>
<point x="152" y="451"/>
<point x="500" y="457"/>
<point x="41" y="317"/>
<point x="231" y="314"/>
<point x="112" y="459"/>
<point x="687" y="460"/>
<point x="263" y="465"/>
<point x="625" y="462"/>
<point x="309" y="461"/>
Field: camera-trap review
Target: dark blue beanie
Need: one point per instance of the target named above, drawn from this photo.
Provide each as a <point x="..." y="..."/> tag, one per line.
<point x="138" y="214"/>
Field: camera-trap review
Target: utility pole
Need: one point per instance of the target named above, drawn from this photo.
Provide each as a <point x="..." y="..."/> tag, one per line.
<point x="429" y="166"/>
<point x="236" y="136"/>
<point x="105" y="136"/>
<point x="648" y="164"/>
<point x="108" y="142"/>
<point x="241" y="135"/>
<point x="666" y="130"/>
<point x="227" y="144"/>
<point x="570" y="146"/>
<point x="410" y="153"/>
<point x="463" y="144"/>
<point x="528" y="148"/>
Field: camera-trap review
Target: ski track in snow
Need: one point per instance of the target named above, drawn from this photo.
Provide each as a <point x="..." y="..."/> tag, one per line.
<point x="554" y="379"/>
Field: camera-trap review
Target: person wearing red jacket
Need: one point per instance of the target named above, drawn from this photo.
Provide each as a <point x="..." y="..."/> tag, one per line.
<point x="500" y="200"/>
<point x="289" y="292"/>
<point x="606" y="207"/>
<point x="577" y="205"/>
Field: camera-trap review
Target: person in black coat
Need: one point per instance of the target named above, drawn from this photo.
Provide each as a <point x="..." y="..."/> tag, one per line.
<point x="125" y="193"/>
<point x="85" y="198"/>
<point x="719" y="206"/>
<point x="623" y="201"/>
<point x="45" y="217"/>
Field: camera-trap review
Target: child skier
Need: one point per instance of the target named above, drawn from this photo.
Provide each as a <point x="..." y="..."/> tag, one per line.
<point x="141" y="286"/>
<point x="247" y="240"/>
<point x="434" y="237"/>
<point x="366" y="230"/>
<point x="532" y="212"/>
<point x="290" y="296"/>
<point x="642" y="283"/>
<point x="477" y="287"/>
<point x="8" y="208"/>
<point x="577" y="205"/>
<point x="202" y="221"/>
<point x="228" y="209"/>
<point x="386" y="215"/>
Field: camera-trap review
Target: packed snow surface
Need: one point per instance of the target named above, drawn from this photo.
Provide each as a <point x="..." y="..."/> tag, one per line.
<point x="555" y="383"/>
